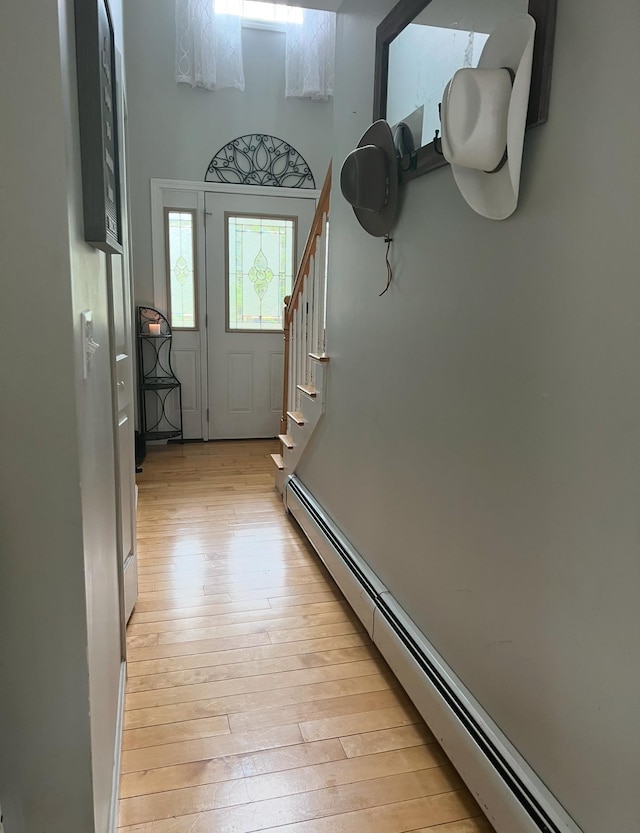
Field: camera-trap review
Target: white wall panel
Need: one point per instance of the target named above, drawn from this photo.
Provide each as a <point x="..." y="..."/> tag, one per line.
<point x="276" y="372"/>
<point x="185" y="365"/>
<point x="240" y="383"/>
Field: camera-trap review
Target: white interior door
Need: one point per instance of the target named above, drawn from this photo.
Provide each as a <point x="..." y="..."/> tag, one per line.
<point x="121" y="345"/>
<point x="253" y="246"/>
<point x="120" y="312"/>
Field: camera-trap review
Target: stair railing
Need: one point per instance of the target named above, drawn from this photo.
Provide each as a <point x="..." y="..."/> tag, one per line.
<point x="304" y="313"/>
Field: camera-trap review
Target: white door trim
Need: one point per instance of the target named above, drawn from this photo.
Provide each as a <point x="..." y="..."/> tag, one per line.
<point x="223" y="188"/>
<point x="158" y="188"/>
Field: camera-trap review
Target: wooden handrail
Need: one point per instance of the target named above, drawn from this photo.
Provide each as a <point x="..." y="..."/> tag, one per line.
<point x="291" y="301"/>
<point x="310" y="248"/>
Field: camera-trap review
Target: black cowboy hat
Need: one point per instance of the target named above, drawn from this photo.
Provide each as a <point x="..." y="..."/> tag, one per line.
<point x="369" y="180"/>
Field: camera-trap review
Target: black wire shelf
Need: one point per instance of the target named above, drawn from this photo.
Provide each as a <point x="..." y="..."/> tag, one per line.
<point x="161" y="435"/>
<point x="160" y="383"/>
<point x="159" y="390"/>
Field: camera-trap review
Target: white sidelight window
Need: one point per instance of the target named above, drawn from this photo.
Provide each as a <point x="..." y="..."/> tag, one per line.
<point x="180" y="241"/>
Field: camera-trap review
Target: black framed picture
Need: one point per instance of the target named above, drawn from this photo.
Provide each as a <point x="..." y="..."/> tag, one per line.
<point x="98" y="103"/>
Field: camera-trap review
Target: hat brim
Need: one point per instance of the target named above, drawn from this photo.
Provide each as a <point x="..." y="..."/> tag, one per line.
<point x="496" y="195"/>
<point x="379" y="223"/>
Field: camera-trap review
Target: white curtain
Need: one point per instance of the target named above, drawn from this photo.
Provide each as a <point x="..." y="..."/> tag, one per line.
<point x="208" y="46"/>
<point x="310" y="61"/>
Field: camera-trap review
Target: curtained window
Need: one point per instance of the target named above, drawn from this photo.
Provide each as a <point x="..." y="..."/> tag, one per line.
<point x="310" y="56"/>
<point x="209" y="45"/>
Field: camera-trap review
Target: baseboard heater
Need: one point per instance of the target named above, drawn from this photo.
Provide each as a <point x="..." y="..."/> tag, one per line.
<point x="513" y="797"/>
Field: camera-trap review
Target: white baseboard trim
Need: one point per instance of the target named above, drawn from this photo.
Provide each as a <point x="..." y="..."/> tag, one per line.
<point x="513" y="797"/>
<point x="117" y="752"/>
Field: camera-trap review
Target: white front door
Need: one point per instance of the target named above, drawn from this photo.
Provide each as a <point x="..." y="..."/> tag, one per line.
<point x="253" y="247"/>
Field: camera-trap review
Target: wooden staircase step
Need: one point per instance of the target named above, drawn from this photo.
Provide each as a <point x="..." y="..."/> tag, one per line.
<point x="286" y="440"/>
<point x="310" y="390"/>
<point x="296" y="416"/>
<point x="277" y="459"/>
<point x="319" y="357"/>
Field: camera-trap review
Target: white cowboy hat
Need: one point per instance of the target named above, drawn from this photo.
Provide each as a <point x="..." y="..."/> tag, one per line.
<point x="484" y="115"/>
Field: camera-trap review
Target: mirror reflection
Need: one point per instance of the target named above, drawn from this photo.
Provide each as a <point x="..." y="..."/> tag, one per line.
<point x="444" y="37"/>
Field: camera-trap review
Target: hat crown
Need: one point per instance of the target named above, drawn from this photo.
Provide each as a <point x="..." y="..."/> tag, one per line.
<point x="364" y="179"/>
<point x="369" y="180"/>
<point x="475" y="111"/>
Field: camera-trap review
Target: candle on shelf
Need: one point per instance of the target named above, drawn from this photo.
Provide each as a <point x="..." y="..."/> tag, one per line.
<point x="154" y="329"/>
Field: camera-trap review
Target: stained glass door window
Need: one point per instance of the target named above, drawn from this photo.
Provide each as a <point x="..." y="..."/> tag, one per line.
<point x="181" y="269"/>
<point x="260" y="270"/>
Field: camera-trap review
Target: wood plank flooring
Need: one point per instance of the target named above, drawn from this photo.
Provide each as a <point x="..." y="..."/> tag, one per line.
<point x="255" y="700"/>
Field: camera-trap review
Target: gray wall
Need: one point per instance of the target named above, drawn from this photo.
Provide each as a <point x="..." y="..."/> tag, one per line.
<point x="90" y="273"/>
<point x="174" y="131"/>
<point x="59" y="611"/>
<point x="480" y="446"/>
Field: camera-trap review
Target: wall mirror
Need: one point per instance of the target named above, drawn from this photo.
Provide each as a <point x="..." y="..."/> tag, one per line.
<point x="419" y="46"/>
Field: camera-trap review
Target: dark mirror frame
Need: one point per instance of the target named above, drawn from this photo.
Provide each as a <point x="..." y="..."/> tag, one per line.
<point x="403" y="13"/>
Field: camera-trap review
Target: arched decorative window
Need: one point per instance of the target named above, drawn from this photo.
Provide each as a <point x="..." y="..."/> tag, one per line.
<point x="260" y="159"/>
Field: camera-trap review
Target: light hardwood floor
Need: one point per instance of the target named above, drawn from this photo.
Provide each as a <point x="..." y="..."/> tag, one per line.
<point x="255" y="700"/>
